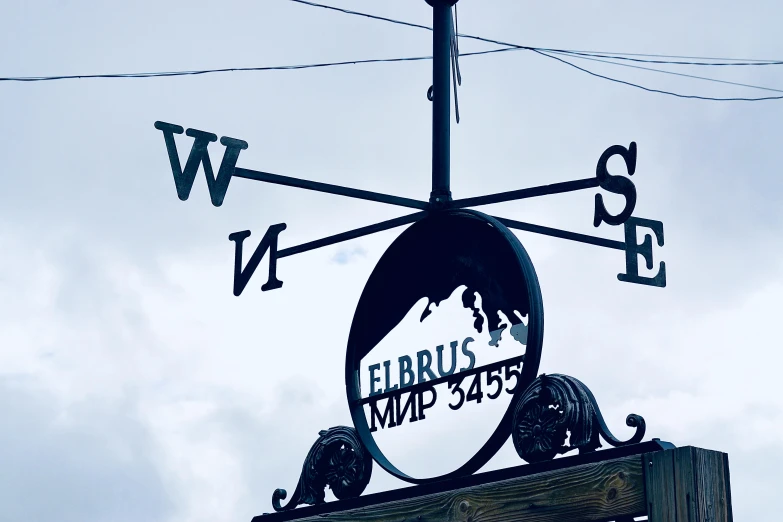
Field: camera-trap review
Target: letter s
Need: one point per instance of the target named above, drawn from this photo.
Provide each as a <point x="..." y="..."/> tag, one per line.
<point x="615" y="184"/>
<point x="469" y="353"/>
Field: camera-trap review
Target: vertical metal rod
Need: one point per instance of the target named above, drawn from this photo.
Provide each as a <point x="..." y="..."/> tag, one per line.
<point x="441" y="101"/>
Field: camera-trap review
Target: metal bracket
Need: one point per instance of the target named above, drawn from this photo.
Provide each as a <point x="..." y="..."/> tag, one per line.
<point x="338" y="460"/>
<point x="554" y="406"/>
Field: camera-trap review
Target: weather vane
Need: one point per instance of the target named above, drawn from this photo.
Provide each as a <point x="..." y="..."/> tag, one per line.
<point x="448" y="249"/>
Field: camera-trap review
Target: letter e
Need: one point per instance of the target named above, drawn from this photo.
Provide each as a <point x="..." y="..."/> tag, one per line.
<point x="632" y="248"/>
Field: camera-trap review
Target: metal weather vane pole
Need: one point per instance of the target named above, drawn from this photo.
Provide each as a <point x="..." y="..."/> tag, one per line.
<point x="442" y="33"/>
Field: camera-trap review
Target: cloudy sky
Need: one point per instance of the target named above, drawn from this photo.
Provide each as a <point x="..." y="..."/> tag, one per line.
<point x="135" y="386"/>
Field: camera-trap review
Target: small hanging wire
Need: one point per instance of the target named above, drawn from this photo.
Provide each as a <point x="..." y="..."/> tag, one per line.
<point x="455" y="39"/>
<point x="456" y="76"/>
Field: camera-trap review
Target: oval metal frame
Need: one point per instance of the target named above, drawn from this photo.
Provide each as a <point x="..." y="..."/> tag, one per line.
<point x="528" y="374"/>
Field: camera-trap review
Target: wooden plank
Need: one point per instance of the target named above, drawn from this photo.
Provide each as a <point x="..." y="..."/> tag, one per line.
<point x="658" y="482"/>
<point x="487" y="477"/>
<point x="684" y="483"/>
<point x="688" y="485"/>
<point x="591" y="492"/>
<point x="726" y="478"/>
<point x="711" y="486"/>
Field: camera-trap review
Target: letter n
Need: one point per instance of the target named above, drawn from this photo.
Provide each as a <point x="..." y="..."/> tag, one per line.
<point x="268" y="242"/>
<point x="183" y="179"/>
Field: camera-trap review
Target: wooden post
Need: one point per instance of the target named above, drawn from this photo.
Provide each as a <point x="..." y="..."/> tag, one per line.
<point x="668" y="485"/>
<point x="688" y="485"/>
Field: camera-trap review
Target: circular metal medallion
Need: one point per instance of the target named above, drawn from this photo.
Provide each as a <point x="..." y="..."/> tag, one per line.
<point x="431" y="259"/>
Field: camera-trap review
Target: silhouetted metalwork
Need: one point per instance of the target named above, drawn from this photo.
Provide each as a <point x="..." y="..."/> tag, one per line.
<point x="616" y="184"/>
<point x="331" y="189"/>
<point x="442" y="33"/>
<point x="444" y="66"/>
<point x="633" y="249"/>
<point x="507" y="378"/>
<point x="431" y="259"/>
<point x="440" y="199"/>
<point x="351" y="234"/>
<point x="445" y="247"/>
<point x="183" y="178"/>
<point x="532" y="192"/>
<point x="555" y="406"/>
<point x="337" y="460"/>
<point x="562" y="234"/>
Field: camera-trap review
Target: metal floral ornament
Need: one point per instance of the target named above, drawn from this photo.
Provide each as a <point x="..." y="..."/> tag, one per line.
<point x="337" y="460"/>
<point x="555" y="405"/>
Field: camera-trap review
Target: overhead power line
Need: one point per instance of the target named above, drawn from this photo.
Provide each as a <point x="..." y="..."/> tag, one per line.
<point x="598" y="54"/>
<point x="366" y="15"/>
<point x="343" y="63"/>
<point x="614" y="58"/>
<point x="705" y="60"/>
<point x="594" y="55"/>
<point x="236" y="69"/>
<point x="724" y="62"/>
<point x="662" y="71"/>
<point x="678" y="95"/>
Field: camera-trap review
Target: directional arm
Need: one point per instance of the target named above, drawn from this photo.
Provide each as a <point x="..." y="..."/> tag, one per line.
<point x="352" y="234"/>
<point x="562" y="234"/>
<point x="330" y="189"/>
<point x="532" y="192"/>
<point x="417" y="216"/>
<point x="440" y="198"/>
<point x="630" y="246"/>
<point x="513" y="195"/>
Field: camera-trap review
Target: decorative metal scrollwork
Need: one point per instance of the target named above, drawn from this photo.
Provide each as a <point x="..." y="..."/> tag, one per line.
<point x="554" y="406"/>
<point x="338" y="460"/>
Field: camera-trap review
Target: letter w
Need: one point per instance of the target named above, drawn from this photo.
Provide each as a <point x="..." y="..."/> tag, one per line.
<point x="183" y="179"/>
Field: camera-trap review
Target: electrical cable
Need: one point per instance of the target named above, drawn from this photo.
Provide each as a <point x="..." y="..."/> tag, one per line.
<point x="236" y="69"/>
<point x="648" y="89"/>
<point x="619" y="56"/>
<point x="599" y="54"/>
<point x="584" y="57"/>
<point x="544" y="52"/>
<point x="206" y="71"/>
<point x="366" y="15"/>
<point x="751" y="61"/>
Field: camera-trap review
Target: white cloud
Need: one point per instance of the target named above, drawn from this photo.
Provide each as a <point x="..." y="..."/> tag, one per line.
<point x="137" y="386"/>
